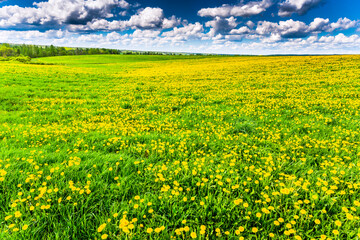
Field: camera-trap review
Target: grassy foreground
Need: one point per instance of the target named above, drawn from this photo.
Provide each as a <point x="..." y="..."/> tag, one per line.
<point x="161" y="147"/>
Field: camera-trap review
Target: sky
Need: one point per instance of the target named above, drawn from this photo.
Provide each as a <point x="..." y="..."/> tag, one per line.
<point x="255" y="27"/>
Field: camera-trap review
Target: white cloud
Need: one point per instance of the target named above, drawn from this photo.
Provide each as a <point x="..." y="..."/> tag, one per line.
<point x="114" y="36"/>
<point x="323" y="25"/>
<point x="288" y="7"/>
<point x="59" y="12"/>
<point x="274" y="37"/>
<point x="145" y="33"/>
<point x="240" y="31"/>
<point x="340" y="39"/>
<point x="250" y="24"/>
<point x="343" y="24"/>
<point x="222" y="25"/>
<point x="12" y="36"/>
<point x="148" y="18"/>
<point x="190" y="31"/>
<point x="298" y="29"/>
<point x="241" y="10"/>
<point x="234" y="38"/>
<point x="90" y="38"/>
<point x="13" y="15"/>
<point x="170" y="22"/>
<point x="286" y="29"/>
<point x="319" y="25"/>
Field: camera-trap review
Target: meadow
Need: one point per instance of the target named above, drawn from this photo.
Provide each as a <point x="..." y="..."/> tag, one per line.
<point x="180" y="147"/>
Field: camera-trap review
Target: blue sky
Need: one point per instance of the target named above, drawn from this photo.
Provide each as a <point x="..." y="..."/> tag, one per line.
<point x="207" y="26"/>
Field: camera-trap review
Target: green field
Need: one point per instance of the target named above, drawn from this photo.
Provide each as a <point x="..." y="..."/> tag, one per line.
<point x="180" y="147"/>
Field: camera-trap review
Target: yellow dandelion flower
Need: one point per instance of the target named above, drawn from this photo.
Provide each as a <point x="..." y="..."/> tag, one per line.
<point x="17" y="214"/>
<point x="102" y="227"/>
<point x="338" y="223"/>
<point x="285" y="191"/>
<point x="193" y="235"/>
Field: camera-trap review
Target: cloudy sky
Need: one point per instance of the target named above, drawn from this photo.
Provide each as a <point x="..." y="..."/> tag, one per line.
<point x="209" y="26"/>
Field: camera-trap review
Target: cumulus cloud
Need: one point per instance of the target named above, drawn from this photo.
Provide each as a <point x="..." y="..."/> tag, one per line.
<point x="13" y="36"/>
<point x="84" y="15"/>
<point x="286" y="29"/>
<point x="59" y="12"/>
<point x="319" y="25"/>
<point x="298" y="29"/>
<point x="324" y="25"/>
<point x="301" y="7"/>
<point x="145" y="33"/>
<point x="187" y="32"/>
<point x="250" y="24"/>
<point x="240" y="10"/>
<point x="343" y="24"/>
<point x="240" y="31"/>
<point x="148" y="18"/>
<point x="171" y="22"/>
<point x="221" y="25"/>
<point x="340" y="39"/>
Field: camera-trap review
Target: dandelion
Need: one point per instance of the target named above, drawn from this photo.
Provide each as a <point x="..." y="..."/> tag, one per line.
<point x="285" y="191"/>
<point x="17" y="214"/>
<point x="101" y="228"/>
<point x="303" y="211"/>
<point x="338" y="223"/>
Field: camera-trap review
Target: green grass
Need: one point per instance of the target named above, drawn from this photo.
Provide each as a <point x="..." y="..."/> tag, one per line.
<point x="90" y="60"/>
<point x="163" y="139"/>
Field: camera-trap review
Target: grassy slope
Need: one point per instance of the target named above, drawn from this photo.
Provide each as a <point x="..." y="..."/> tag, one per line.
<point x="166" y="128"/>
<point x="86" y="60"/>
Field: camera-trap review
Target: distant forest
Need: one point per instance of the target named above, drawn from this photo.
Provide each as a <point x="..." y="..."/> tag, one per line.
<point x="35" y="51"/>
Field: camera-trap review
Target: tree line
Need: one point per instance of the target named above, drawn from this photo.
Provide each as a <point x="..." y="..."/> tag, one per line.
<point x="35" y="51"/>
